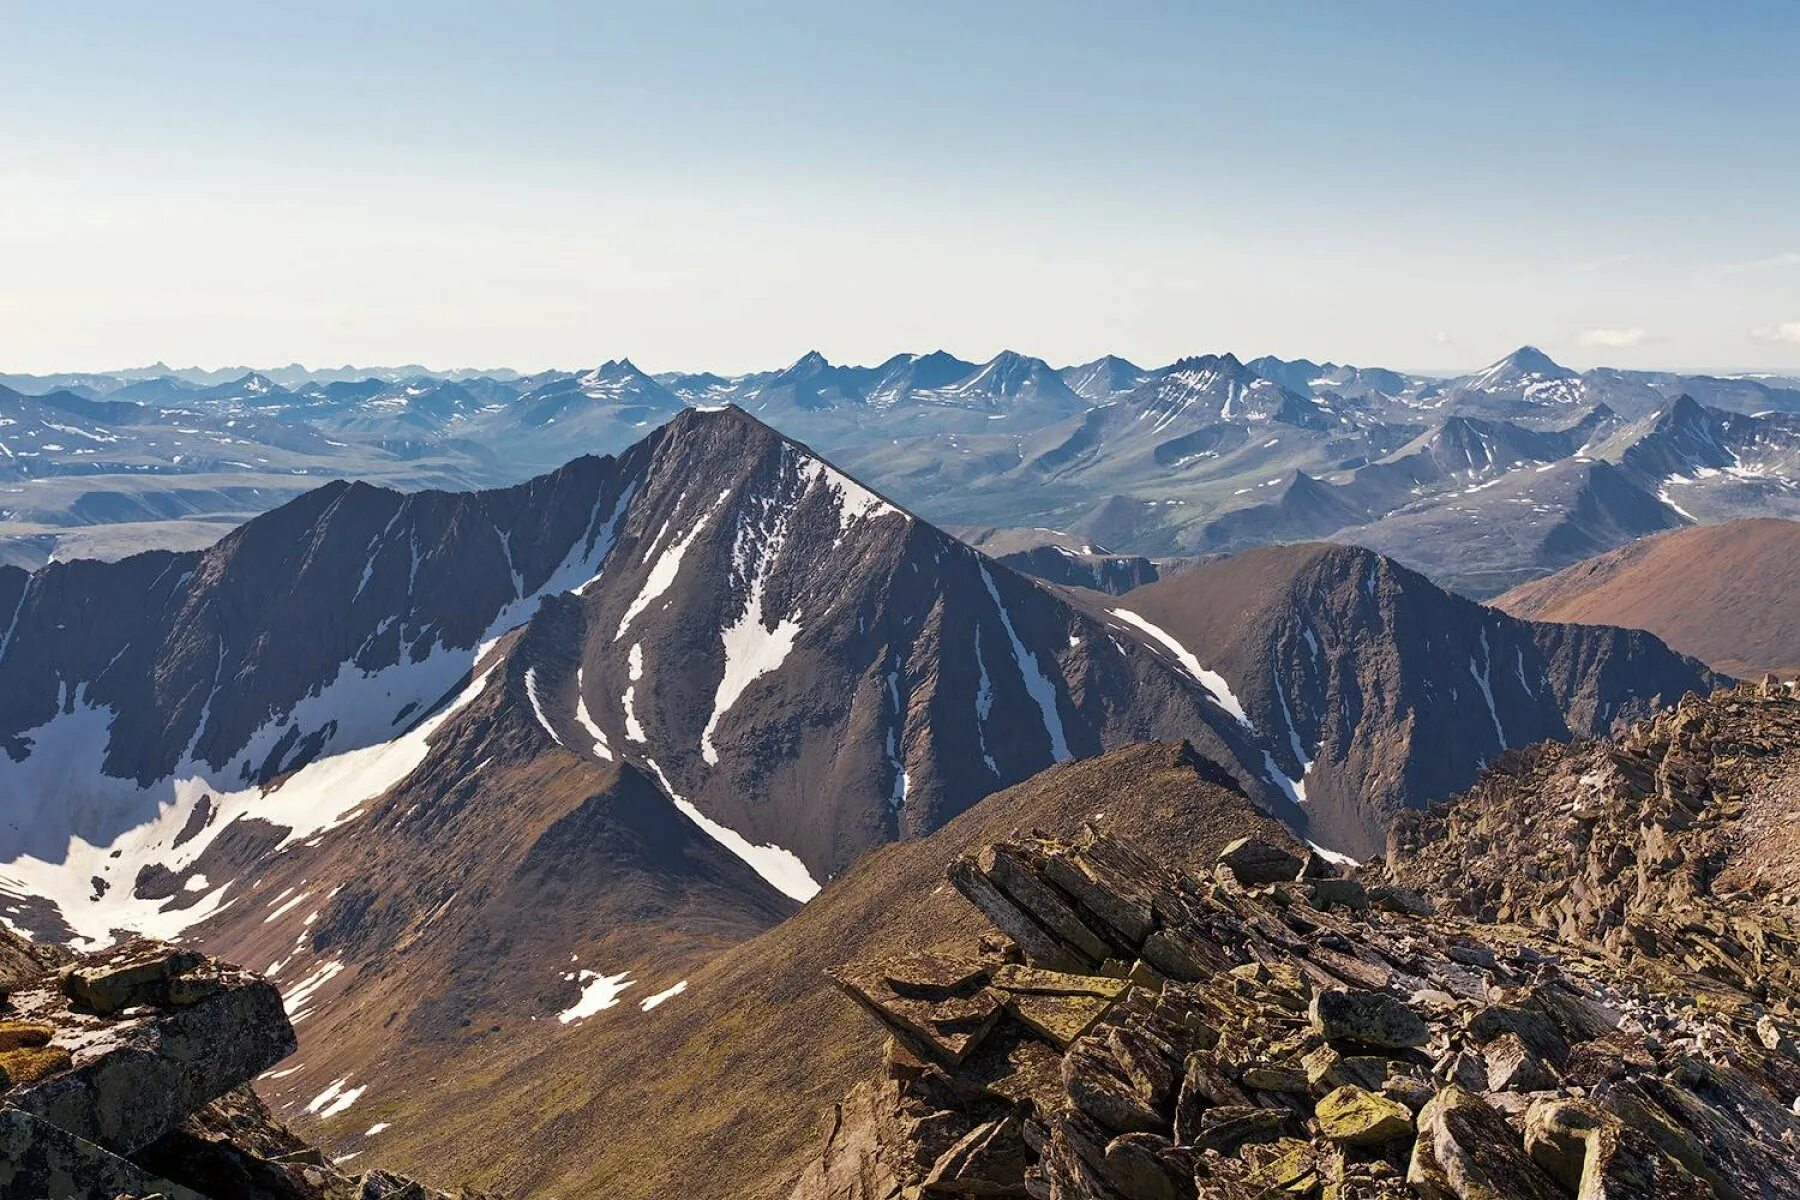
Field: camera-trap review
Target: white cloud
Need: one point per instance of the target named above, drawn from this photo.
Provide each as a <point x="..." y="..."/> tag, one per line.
<point x="1614" y="339"/>
<point x="1786" y="331"/>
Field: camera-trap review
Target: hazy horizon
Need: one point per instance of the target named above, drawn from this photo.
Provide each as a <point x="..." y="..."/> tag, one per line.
<point x="650" y="368"/>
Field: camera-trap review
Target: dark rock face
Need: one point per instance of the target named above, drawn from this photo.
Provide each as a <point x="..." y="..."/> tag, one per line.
<point x="127" y="1073"/>
<point x="1379" y="692"/>
<point x="1231" y="1042"/>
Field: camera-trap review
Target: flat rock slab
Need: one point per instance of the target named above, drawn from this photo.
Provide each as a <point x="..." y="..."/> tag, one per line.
<point x="946" y="1028"/>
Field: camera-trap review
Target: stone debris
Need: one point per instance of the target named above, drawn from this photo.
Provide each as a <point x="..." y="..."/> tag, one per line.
<point x="126" y="1073"/>
<point x="1145" y="1035"/>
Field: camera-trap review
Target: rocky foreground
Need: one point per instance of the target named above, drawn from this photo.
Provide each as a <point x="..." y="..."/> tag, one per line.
<point x="1515" y="1011"/>
<point x="127" y="1074"/>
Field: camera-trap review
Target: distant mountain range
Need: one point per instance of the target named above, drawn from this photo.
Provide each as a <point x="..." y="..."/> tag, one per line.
<point x="1531" y="464"/>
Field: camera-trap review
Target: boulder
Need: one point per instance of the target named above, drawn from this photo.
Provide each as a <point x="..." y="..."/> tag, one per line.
<point x="989" y="1160"/>
<point x="1598" y="1157"/>
<point x="1533" y="1028"/>
<point x="1337" y="893"/>
<point x="1513" y="1067"/>
<point x="1253" y="861"/>
<point x="137" y="1073"/>
<point x="1351" y="1116"/>
<point x="1367" y="1019"/>
<point x="41" y="1161"/>
<point x="1466" y="1150"/>
<point x="136" y="973"/>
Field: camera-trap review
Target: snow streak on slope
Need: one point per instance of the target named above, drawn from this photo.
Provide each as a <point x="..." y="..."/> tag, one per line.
<point x="585" y="719"/>
<point x="662" y="575"/>
<point x="781" y="867"/>
<point x="1485" y="683"/>
<point x="1041" y="690"/>
<point x="753" y="649"/>
<point x="1212" y="681"/>
<point x="635" y="668"/>
<point x="537" y="707"/>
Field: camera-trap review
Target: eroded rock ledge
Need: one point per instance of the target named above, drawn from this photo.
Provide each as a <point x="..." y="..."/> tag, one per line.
<point x="1133" y="1033"/>
<point x="126" y="1074"/>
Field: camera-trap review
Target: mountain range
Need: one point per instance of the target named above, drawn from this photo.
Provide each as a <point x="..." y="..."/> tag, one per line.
<point x="465" y="772"/>
<point x="1531" y="464"/>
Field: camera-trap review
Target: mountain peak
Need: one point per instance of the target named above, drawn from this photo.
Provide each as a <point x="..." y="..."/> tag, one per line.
<point x="1527" y="361"/>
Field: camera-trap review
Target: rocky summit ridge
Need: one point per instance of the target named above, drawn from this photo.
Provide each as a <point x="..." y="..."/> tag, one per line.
<point x="1132" y="1031"/>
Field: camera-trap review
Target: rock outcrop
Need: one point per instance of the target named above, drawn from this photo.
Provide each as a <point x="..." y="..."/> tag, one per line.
<point x="1132" y="1032"/>
<point x="1674" y="846"/>
<point x="126" y="1073"/>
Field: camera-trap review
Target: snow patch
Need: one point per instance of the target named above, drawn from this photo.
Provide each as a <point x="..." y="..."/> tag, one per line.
<point x="780" y="867"/>
<point x="335" y="1099"/>
<point x="1040" y="689"/>
<point x="667" y="993"/>
<point x="597" y="992"/>
<point x="1212" y="681"/>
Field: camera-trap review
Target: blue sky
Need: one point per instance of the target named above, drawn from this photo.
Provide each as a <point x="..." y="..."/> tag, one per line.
<point x="729" y="185"/>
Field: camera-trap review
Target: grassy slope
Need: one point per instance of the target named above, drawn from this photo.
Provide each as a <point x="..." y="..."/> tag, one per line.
<point x="719" y="1094"/>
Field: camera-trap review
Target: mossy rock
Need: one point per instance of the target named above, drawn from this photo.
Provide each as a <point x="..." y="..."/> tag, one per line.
<point x="16" y="1035"/>
<point x="28" y="1064"/>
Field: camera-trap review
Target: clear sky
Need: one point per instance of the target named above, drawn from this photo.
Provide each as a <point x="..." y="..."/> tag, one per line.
<point x="727" y="185"/>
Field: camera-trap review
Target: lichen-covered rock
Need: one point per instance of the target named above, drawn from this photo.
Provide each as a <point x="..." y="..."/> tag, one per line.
<point x="1351" y="1116"/>
<point x="1249" y="1044"/>
<point x="131" y="1077"/>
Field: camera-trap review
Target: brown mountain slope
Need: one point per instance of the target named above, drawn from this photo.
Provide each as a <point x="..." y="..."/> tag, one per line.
<point x="718" y="1093"/>
<point x="1726" y="594"/>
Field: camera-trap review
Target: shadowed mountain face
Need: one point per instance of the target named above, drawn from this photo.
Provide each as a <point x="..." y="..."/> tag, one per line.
<point x="1727" y="594"/>
<point x="1378" y="691"/>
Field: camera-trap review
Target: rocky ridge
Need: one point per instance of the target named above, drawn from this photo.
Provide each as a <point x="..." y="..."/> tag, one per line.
<point x="127" y="1074"/>
<point x="1673" y="847"/>
<point x="1131" y="1031"/>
